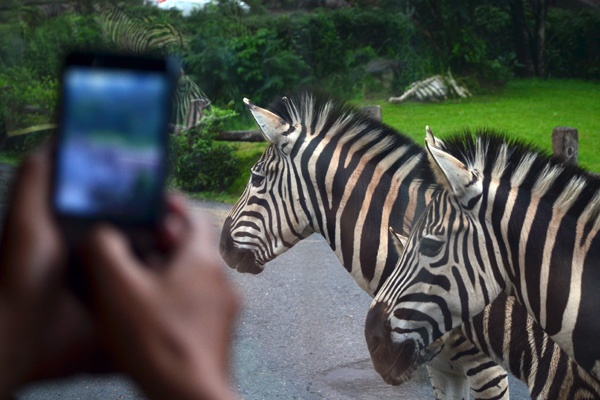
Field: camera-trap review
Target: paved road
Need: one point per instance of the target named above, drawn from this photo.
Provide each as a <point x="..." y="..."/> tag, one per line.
<point x="300" y="336"/>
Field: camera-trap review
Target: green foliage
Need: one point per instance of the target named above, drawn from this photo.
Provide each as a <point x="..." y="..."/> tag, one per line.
<point x="572" y="48"/>
<point x="198" y="162"/>
<point x="43" y="47"/>
<point x="263" y="67"/>
<point x="255" y="65"/>
<point x="25" y="100"/>
<point x="261" y="56"/>
<point x="248" y="153"/>
<point x="470" y="38"/>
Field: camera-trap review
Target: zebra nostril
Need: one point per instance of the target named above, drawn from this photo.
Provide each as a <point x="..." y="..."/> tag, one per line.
<point x="376" y="327"/>
<point x="226" y="242"/>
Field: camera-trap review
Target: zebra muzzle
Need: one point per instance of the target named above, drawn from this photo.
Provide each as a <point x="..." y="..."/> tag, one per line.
<point x="243" y="260"/>
<point x="395" y="362"/>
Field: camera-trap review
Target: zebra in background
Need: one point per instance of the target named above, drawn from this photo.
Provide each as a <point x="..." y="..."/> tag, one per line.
<point x="495" y="228"/>
<point x="151" y="35"/>
<point x="276" y="211"/>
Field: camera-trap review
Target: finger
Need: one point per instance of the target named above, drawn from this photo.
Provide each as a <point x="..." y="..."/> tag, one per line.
<point x="198" y="247"/>
<point x="31" y="239"/>
<point x="70" y="342"/>
<point x="32" y="187"/>
<point x="114" y="269"/>
<point x="176" y="223"/>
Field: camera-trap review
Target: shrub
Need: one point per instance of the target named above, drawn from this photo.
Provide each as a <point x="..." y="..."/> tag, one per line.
<point x="25" y="101"/>
<point x="199" y="163"/>
<point x="572" y="49"/>
<point x="261" y="56"/>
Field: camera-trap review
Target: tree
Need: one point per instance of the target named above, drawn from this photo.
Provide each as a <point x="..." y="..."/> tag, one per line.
<point x="529" y="34"/>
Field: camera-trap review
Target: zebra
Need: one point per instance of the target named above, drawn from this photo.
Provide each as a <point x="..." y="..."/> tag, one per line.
<point x="150" y="35"/>
<point x="503" y="205"/>
<point x="547" y="370"/>
<point x="271" y="216"/>
<point x="331" y="170"/>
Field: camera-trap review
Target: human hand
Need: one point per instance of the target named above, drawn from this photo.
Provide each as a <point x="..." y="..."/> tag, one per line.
<point x="44" y="330"/>
<point x="167" y="324"/>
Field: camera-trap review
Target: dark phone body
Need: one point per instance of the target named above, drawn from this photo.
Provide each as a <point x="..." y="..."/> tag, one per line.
<point x="110" y="159"/>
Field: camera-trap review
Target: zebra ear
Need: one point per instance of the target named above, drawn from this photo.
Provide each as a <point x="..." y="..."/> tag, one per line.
<point x="271" y="125"/>
<point x="398" y="240"/>
<point x="454" y="175"/>
<point x="432" y="140"/>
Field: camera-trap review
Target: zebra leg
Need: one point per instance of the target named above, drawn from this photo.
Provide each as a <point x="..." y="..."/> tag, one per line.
<point x="484" y="378"/>
<point x="447" y="385"/>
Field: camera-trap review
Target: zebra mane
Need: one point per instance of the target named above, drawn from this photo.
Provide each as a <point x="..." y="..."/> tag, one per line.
<point x="525" y="166"/>
<point x="323" y="115"/>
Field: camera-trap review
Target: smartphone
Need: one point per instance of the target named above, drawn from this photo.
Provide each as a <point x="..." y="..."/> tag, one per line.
<point x="110" y="157"/>
<point x="110" y="160"/>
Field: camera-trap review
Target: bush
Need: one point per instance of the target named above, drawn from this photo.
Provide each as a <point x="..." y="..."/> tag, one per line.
<point x="199" y="163"/>
<point x="25" y="101"/>
<point x="262" y="56"/>
<point x="45" y="42"/>
<point x="572" y="49"/>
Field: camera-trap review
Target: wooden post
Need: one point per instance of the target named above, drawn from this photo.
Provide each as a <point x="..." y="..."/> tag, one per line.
<point x="372" y="111"/>
<point x="241" y="136"/>
<point x="565" y="144"/>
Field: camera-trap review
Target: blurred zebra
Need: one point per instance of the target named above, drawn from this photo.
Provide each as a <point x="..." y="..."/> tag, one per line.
<point x="147" y="35"/>
<point x="509" y="219"/>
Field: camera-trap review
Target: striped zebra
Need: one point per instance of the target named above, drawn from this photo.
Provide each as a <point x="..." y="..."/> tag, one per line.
<point x="509" y="219"/>
<point x="532" y="357"/>
<point x="282" y="205"/>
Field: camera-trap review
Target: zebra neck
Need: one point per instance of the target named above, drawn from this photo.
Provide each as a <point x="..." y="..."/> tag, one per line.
<point x="358" y="195"/>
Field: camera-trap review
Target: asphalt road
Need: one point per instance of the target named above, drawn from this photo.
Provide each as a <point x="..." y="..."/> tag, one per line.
<point x="300" y="336"/>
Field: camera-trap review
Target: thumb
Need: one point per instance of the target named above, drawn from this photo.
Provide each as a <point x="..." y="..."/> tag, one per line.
<point x="114" y="270"/>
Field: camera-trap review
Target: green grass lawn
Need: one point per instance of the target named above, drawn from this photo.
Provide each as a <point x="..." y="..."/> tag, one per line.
<point x="529" y="109"/>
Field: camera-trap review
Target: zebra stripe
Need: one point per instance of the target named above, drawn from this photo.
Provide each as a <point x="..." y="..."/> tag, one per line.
<point x="462" y="254"/>
<point x="534" y="358"/>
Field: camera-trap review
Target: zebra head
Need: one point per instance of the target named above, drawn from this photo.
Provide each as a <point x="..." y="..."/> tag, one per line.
<point x="434" y="287"/>
<point x="269" y="217"/>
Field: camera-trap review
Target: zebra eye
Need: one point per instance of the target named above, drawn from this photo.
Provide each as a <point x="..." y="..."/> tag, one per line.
<point x="430" y="247"/>
<point x="256" y="180"/>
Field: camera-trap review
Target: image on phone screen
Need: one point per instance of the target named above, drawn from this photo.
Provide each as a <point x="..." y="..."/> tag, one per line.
<point x="111" y="156"/>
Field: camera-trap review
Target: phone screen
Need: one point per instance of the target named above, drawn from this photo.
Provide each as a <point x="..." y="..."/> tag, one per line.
<point x="111" y="151"/>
